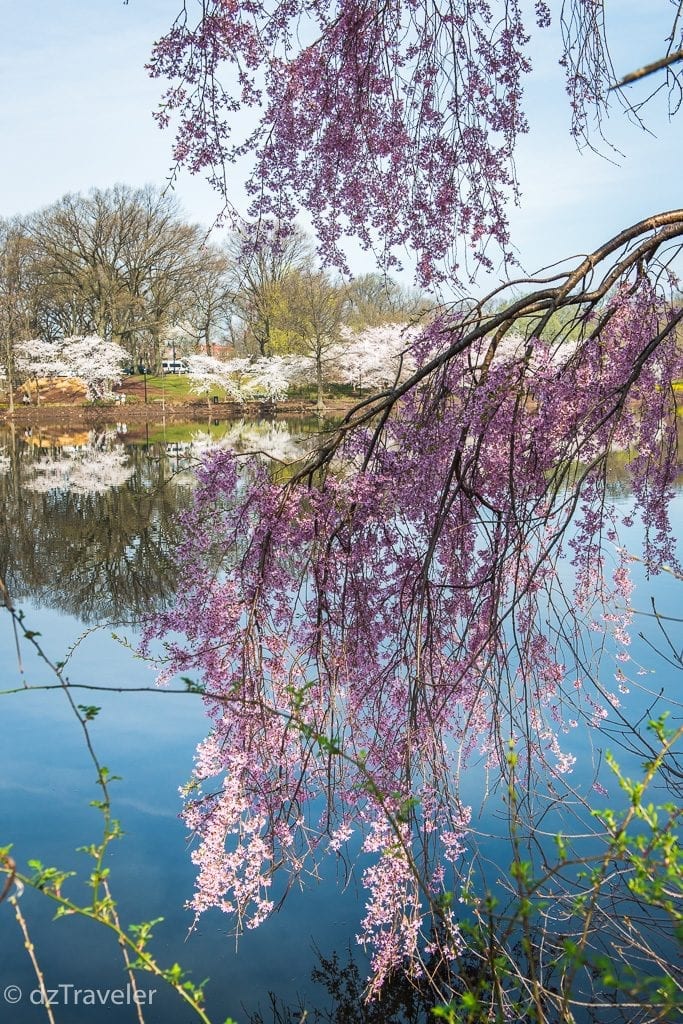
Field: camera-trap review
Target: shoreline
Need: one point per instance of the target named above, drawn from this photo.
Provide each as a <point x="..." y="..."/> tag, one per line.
<point x="175" y="412"/>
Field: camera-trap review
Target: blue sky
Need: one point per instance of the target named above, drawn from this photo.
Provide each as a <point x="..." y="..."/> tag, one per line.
<point x="76" y="113"/>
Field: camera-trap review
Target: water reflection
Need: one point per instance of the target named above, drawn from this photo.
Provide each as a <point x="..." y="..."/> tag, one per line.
<point x="101" y="552"/>
<point x="91" y="467"/>
<point x="403" y="1002"/>
<point x="92" y="519"/>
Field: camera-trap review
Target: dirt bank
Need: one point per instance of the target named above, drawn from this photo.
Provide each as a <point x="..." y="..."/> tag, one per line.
<point x="77" y="414"/>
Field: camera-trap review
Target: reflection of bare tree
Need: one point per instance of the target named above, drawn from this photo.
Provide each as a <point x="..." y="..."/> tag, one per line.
<point x="402" y="1003"/>
<point x="91" y="527"/>
<point x="98" y="552"/>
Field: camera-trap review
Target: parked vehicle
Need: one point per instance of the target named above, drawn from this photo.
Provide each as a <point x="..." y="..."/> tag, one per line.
<point x="174" y="366"/>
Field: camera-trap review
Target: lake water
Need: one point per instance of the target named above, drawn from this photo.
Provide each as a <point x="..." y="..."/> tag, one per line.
<point x="86" y="546"/>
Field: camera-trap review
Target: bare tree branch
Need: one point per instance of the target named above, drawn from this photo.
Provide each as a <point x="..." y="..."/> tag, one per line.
<point x="649" y="69"/>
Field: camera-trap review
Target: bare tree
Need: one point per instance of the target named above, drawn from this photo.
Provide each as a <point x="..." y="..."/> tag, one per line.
<point x="262" y="259"/>
<point x="17" y="296"/>
<point x="123" y="264"/>
<point x="375" y="299"/>
<point x="316" y="314"/>
<point x="209" y="310"/>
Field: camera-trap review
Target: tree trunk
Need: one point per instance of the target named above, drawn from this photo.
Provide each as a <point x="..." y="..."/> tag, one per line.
<point x="320" y="404"/>
<point x="10" y="384"/>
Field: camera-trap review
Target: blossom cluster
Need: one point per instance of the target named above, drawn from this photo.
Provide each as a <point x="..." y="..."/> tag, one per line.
<point x="369" y="359"/>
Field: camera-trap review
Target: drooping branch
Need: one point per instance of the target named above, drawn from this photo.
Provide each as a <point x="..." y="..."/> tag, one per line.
<point x="393" y="123"/>
<point x="414" y="599"/>
<point x="623" y="260"/>
<point x="420" y="105"/>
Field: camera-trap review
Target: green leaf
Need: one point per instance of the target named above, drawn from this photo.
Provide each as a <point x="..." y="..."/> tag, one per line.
<point x="89" y="711"/>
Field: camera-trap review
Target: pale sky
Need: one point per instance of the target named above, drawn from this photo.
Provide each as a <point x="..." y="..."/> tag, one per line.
<point x="76" y="113"/>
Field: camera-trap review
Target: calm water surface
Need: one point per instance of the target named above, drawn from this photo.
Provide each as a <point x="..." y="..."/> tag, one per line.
<point x="86" y="545"/>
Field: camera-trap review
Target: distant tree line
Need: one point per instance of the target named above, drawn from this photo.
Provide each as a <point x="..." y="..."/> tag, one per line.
<point x="123" y="264"/>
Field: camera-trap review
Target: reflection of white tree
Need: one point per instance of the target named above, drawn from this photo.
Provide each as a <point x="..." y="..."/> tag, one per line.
<point x="268" y="440"/>
<point x="85" y="470"/>
<point x="273" y="440"/>
<point x="5" y="463"/>
<point x="201" y="442"/>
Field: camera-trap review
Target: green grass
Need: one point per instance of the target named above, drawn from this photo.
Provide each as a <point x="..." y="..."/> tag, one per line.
<point x="175" y="387"/>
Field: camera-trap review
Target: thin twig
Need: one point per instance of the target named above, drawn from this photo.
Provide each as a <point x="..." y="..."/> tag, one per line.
<point x="44" y="998"/>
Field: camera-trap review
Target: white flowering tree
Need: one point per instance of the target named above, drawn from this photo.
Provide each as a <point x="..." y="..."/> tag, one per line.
<point x="374" y="357"/>
<point x="271" y="377"/>
<point x="267" y="378"/>
<point x="37" y="359"/>
<point x="96" y="362"/>
<point x="207" y="374"/>
<point x="368" y="359"/>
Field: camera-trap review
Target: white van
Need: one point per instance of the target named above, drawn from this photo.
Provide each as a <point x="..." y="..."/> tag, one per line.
<point x="174" y="366"/>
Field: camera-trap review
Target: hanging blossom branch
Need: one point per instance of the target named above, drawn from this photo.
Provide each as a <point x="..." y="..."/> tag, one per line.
<point x="393" y="123"/>
<point x="417" y="595"/>
<point x="420" y="105"/>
